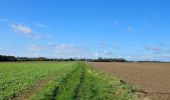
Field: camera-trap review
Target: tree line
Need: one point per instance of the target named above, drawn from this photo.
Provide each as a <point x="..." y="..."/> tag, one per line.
<point x="13" y="58"/>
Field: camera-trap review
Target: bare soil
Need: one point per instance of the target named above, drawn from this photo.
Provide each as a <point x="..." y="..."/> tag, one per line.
<point x="153" y="79"/>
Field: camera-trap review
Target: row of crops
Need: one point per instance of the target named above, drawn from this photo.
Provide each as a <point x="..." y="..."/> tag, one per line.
<point x="16" y="77"/>
<point x="71" y="81"/>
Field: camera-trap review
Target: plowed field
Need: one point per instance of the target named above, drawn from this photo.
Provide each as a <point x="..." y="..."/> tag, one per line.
<point x="152" y="78"/>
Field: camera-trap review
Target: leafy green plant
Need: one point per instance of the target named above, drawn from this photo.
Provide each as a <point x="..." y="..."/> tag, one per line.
<point x="16" y="77"/>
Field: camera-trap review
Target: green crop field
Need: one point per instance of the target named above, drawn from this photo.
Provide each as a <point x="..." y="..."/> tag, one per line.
<point x="60" y="81"/>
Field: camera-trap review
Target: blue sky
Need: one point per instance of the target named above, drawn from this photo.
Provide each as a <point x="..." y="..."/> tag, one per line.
<point x="130" y="29"/>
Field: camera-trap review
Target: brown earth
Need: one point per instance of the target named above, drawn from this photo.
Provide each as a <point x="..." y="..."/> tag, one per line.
<point x="153" y="79"/>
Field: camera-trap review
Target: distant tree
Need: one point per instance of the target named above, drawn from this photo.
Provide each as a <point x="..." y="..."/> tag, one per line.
<point x="109" y="60"/>
<point x="7" y="58"/>
<point x="12" y="58"/>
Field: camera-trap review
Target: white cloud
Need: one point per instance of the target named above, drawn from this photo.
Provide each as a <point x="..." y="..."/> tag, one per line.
<point x="69" y="50"/>
<point x="96" y="55"/>
<point x="26" y="30"/>
<point x="141" y="56"/>
<point x="107" y="53"/>
<point x="22" y="29"/>
<point x="29" y="32"/>
<point x="40" y="25"/>
<point x="165" y="56"/>
<point x="153" y="48"/>
<point x="104" y="54"/>
<point x="160" y="48"/>
<point x="65" y="48"/>
<point x="37" y="37"/>
<point x="147" y="57"/>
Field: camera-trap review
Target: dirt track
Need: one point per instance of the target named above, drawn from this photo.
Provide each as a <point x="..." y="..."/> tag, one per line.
<point x="152" y="78"/>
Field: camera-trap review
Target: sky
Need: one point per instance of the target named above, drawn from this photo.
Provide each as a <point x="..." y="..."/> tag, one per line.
<point x="130" y="29"/>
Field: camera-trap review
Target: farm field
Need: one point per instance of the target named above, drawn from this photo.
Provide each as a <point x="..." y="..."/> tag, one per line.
<point x="16" y="77"/>
<point x="153" y="79"/>
<point x="60" y="81"/>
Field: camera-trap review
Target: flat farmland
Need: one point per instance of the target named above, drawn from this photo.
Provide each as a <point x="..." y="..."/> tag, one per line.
<point x="60" y="81"/>
<point x="153" y="79"/>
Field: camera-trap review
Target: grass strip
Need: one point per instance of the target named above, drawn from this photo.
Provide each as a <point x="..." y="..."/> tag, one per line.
<point x="85" y="83"/>
<point x="53" y="89"/>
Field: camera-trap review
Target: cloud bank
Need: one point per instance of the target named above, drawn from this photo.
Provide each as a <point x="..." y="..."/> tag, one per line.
<point x="22" y="29"/>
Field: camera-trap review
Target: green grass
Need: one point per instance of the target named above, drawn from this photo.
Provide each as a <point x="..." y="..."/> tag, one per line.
<point x="84" y="83"/>
<point x="16" y="76"/>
